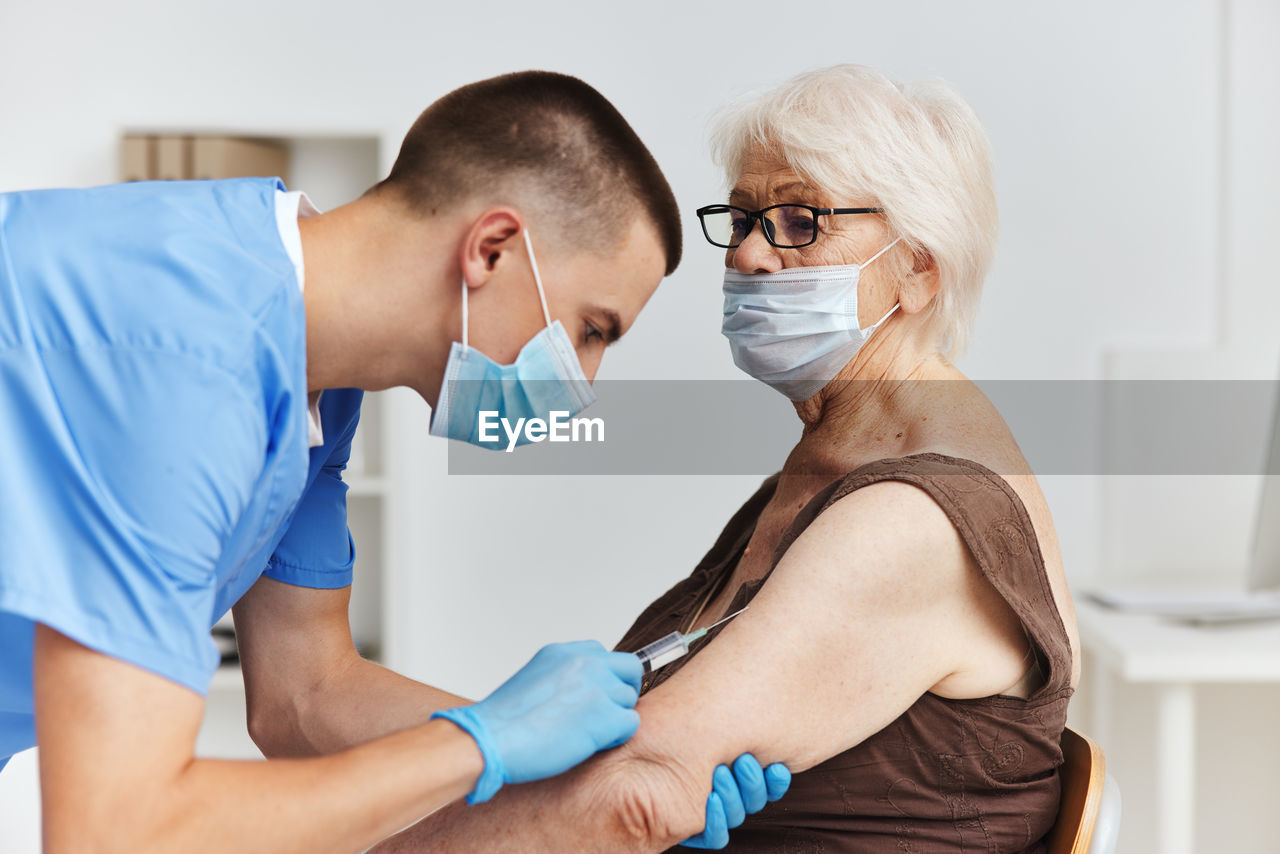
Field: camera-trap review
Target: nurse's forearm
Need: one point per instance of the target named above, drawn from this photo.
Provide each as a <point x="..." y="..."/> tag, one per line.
<point x="626" y="801"/>
<point x="354" y="704"/>
<point x="117" y="772"/>
<point x="339" y="803"/>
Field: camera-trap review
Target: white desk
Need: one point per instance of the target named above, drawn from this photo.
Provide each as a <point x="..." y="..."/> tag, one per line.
<point x="1172" y="657"/>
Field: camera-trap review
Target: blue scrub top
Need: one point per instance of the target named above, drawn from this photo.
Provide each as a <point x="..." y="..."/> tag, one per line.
<point x="153" y="447"/>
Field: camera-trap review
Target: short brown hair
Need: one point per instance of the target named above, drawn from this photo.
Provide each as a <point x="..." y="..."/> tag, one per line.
<point x="542" y="133"/>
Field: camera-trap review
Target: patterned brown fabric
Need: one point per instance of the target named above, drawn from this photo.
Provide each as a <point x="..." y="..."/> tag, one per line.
<point x="948" y="775"/>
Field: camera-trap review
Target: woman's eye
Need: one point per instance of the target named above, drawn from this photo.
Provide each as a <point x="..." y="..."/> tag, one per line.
<point x="800" y="226"/>
<point x="593" y="334"/>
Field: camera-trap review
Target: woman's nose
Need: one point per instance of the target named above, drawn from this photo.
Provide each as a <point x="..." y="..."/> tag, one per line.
<point x="754" y="254"/>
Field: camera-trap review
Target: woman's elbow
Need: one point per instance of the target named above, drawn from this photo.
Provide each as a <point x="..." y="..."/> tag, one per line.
<point x="650" y="804"/>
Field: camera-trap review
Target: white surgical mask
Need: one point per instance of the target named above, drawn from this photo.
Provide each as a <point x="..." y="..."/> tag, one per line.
<point x="545" y="378"/>
<point x="795" y="329"/>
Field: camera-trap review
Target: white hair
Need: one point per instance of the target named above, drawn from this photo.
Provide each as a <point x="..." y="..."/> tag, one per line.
<point x="917" y="150"/>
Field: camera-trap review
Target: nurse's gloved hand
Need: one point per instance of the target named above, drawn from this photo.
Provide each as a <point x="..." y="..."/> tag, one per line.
<point x="737" y="794"/>
<point x="569" y="701"/>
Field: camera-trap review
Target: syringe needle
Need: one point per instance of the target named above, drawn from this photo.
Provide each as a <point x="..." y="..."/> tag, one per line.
<point x="726" y="619"/>
<point x="693" y="636"/>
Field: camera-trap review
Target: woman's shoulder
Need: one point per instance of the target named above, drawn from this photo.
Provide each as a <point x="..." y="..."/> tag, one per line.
<point x="990" y="498"/>
<point x="957" y="480"/>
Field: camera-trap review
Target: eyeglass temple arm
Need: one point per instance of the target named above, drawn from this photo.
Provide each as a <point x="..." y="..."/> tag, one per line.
<point x="828" y="211"/>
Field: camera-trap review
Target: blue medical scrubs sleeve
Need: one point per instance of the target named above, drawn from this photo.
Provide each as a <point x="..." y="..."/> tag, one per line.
<point x="316" y="549"/>
<point x="125" y="477"/>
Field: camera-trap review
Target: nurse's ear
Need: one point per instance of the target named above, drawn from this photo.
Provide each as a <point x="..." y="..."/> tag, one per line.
<point x="491" y="240"/>
<point x="918" y="288"/>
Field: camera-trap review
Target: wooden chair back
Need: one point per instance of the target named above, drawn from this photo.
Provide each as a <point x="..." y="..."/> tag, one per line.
<point x="1083" y="774"/>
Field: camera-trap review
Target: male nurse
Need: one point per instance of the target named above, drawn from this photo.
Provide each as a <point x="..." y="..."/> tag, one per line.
<point x="181" y="367"/>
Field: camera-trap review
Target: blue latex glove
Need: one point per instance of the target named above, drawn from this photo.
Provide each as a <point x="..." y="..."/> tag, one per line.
<point x="737" y="794"/>
<point x="569" y="701"/>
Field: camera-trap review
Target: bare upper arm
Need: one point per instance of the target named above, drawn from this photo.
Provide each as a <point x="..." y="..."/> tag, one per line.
<point x="876" y="603"/>
<point x="112" y="737"/>
<point x="291" y="639"/>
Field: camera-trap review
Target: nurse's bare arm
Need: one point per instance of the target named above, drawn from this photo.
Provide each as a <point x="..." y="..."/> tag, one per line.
<point x="875" y="604"/>
<point x="118" y="774"/>
<point x="309" y="691"/>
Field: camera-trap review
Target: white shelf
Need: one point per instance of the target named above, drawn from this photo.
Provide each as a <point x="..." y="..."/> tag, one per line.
<point x="1147" y="648"/>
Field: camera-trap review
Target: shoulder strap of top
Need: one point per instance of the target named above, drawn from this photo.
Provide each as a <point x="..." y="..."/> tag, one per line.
<point x="738" y="529"/>
<point x="679" y="601"/>
<point x="995" y="526"/>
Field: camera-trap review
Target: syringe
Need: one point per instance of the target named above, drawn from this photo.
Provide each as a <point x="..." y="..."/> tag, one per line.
<point x="674" y="646"/>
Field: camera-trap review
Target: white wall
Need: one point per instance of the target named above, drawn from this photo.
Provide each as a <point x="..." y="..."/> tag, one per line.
<point x="1136" y="180"/>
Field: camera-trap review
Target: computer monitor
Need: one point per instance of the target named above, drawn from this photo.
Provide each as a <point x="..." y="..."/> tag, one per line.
<point x="1264" y="566"/>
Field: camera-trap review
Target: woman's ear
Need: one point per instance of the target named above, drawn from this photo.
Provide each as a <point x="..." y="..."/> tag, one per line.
<point x="488" y="242"/>
<point x="919" y="287"/>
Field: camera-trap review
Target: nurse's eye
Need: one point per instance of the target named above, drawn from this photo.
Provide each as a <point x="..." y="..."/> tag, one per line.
<point x="591" y="333"/>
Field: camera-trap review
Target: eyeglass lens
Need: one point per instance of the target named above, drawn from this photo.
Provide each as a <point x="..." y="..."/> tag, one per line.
<point x="785" y="226"/>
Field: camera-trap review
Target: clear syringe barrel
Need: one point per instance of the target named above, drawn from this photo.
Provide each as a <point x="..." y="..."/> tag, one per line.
<point x="663" y="651"/>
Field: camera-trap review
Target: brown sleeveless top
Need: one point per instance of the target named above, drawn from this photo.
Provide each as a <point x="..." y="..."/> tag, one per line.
<point x="948" y="775"/>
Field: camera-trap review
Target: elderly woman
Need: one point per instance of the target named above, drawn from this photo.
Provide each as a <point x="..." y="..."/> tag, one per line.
<point x="911" y="646"/>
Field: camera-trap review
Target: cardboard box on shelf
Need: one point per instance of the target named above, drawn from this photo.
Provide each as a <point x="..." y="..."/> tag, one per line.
<point x="234" y="157"/>
<point x="173" y="158"/>
<point x="136" y="153"/>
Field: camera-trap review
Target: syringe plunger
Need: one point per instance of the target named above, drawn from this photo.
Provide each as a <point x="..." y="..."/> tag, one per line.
<point x="674" y="646"/>
<point x="663" y="651"/>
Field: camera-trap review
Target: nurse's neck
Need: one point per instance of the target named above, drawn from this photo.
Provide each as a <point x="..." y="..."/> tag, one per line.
<point x="377" y="305"/>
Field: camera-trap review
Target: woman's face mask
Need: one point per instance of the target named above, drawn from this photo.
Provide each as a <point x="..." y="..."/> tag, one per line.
<point x="795" y="329"/>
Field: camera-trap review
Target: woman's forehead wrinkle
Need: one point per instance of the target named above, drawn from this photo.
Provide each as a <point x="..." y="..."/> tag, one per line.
<point x="769" y="188"/>
<point x="788" y="188"/>
<point x="748" y="186"/>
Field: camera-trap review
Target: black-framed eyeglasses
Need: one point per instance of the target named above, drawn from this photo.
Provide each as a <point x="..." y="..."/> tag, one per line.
<point x="784" y="226"/>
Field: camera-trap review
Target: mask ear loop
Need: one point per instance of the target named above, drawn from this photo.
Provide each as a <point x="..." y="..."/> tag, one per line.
<point x="896" y="240"/>
<point x="537" y="277"/>
<point x="464" y="316"/>
<point x="537" y="280"/>
<point x="873" y="327"/>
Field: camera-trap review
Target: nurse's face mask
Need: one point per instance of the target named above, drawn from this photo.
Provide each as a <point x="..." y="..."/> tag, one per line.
<point x="546" y="377"/>
<point x="795" y="329"/>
